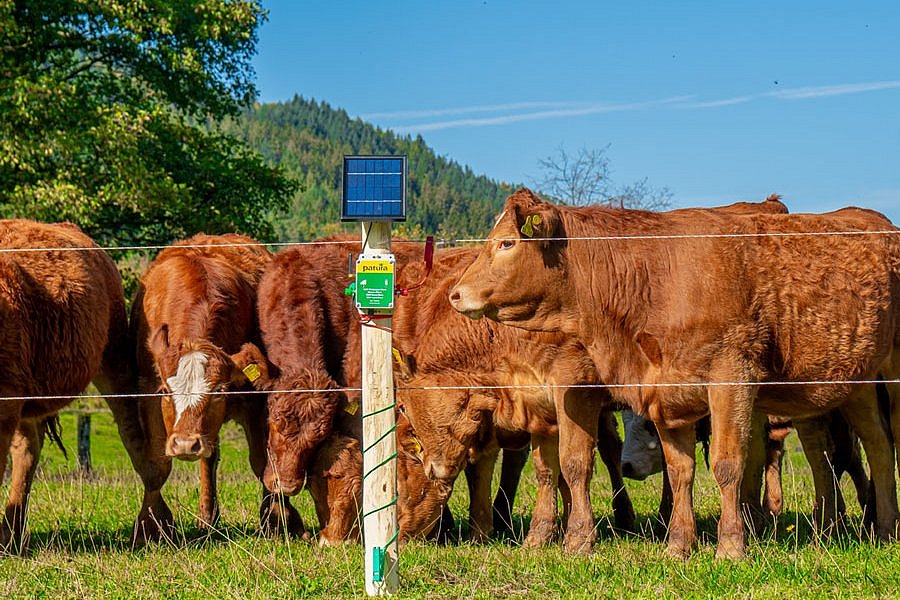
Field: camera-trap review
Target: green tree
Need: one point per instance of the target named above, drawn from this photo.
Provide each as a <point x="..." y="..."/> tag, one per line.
<point x="109" y="114"/>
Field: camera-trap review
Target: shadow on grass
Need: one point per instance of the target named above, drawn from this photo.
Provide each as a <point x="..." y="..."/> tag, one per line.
<point x="78" y="540"/>
<point x="790" y="530"/>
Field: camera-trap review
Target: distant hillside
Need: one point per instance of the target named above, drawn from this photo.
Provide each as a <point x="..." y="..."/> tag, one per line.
<point x="309" y="139"/>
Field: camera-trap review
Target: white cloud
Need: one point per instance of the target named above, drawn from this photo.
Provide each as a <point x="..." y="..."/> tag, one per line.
<point x="834" y="90"/>
<point x="529" y="111"/>
<point x="464" y="110"/>
<point x="590" y="109"/>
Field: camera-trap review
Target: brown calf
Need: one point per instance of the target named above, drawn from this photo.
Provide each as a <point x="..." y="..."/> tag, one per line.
<point x="455" y="422"/>
<point x="724" y="310"/>
<point x="194" y="322"/>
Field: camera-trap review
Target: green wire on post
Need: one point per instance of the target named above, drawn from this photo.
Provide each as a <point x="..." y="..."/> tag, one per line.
<point x="379" y="552"/>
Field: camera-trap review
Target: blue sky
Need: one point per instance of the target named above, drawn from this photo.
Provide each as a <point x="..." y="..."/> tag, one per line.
<point x="718" y="102"/>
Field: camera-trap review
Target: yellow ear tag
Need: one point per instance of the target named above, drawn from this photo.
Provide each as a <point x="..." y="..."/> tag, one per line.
<point x="397" y="356"/>
<point x="536" y="220"/>
<point x="252" y="372"/>
<point x="352" y="408"/>
<point x="527" y="228"/>
<point x="417" y="445"/>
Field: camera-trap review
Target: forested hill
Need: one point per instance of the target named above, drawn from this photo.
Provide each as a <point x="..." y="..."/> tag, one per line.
<point x="308" y="139"/>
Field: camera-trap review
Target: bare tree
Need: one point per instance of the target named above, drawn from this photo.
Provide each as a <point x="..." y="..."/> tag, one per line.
<point x="641" y="195"/>
<point x="580" y="179"/>
<point x="585" y="179"/>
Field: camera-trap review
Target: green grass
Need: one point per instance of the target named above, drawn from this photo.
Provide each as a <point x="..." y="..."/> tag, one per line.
<point x="80" y="528"/>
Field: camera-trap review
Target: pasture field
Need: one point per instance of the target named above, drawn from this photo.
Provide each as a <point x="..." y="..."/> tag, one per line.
<point x="80" y="528"/>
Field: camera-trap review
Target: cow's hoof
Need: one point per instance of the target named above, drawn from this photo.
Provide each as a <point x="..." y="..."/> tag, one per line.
<point x="536" y="541"/>
<point x="12" y="543"/>
<point x="479" y="536"/>
<point x="887" y="533"/>
<point x="731" y="549"/>
<point x="681" y="548"/>
<point x="327" y="541"/>
<point x="578" y="544"/>
<point x="151" y="530"/>
<point x="208" y="521"/>
<point x="624" y="518"/>
<point x="279" y="519"/>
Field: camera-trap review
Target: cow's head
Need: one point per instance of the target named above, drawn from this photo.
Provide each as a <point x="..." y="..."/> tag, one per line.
<point x="301" y="409"/>
<point x="517" y="276"/>
<point x="445" y="423"/>
<point x="195" y="374"/>
<point x="641" y="451"/>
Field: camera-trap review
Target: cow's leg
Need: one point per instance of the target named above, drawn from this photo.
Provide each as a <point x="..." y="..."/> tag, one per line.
<point x="773" y="499"/>
<point x="829" y="508"/>
<point x="155" y="519"/>
<point x="893" y="390"/>
<point x="25" y="451"/>
<point x="208" y="514"/>
<point x="861" y="411"/>
<point x="678" y="448"/>
<point x="731" y="413"/>
<point x="665" y="499"/>
<point x="752" y="481"/>
<point x="276" y="513"/>
<point x="858" y="475"/>
<point x="478" y="478"/>
<point x="577" y="417"/>
<point x="609" y="445"/>
<point x="127" y="416"/>
<point x="545" y="455"/>
<point x="510" y="474"/>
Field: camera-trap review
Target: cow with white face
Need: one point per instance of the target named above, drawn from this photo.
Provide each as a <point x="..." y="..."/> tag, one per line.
<point x="194" y="320"/>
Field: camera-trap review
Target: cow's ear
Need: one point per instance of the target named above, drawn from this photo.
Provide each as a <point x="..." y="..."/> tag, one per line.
<point x="251" y="367"/>
<point x="159" y="341"/>
<point x="481" y="402"/>
<point x="404" y="364"/>
<point x="534" y="218"/>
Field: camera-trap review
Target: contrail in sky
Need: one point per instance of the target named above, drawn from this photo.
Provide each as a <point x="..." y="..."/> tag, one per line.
<point x="584" y="109"/>
<point x="530" y="111"/>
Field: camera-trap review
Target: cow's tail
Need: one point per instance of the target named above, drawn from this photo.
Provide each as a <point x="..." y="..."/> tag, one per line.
<point x="704" y="429"/>
<point x="53" y="432"/>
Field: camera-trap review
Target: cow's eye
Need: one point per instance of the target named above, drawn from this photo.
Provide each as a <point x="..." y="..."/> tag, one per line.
<point x="506" y="244"/>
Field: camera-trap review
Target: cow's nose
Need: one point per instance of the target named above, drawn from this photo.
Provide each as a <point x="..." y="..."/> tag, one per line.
<point x="186" y="446"/>
<point x="628" y="470"/>
<point x="454" y="296"/>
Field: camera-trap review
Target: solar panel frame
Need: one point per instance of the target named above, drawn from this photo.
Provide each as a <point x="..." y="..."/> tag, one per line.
<point x="373" y="188"/>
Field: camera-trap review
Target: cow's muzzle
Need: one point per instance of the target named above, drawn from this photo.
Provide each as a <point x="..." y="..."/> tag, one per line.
<point x="462" y="300"/>
<point x="438" y="470"/>
<point x="188" y="446"/>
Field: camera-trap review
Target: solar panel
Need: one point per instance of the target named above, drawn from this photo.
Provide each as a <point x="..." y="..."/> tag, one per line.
<point x="374" y="188"/>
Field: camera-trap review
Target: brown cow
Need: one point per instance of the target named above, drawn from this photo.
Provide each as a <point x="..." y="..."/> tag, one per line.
<point x="690" y="310"/>
<point x="463" y="358"/>
<point x="194" y="322"/>
<point x="64" y="325"/>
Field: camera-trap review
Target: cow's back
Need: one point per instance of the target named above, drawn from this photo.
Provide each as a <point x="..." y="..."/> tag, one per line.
<point x="60" y="307"/>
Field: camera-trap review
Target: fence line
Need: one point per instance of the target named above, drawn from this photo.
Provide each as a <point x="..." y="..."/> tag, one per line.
<point x="686" y="236"/>
<point x="474" y="387"/>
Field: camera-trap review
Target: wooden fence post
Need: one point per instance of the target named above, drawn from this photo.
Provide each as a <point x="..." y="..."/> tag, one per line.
<point x="84" y="443"/>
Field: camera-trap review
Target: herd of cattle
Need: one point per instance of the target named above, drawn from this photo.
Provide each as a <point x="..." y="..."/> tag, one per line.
<point x="738" y="322"/>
